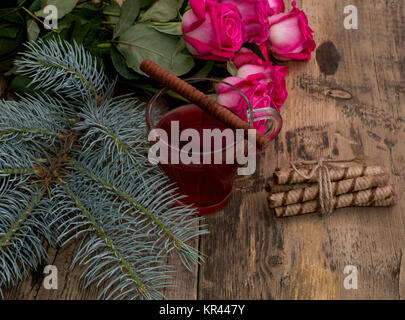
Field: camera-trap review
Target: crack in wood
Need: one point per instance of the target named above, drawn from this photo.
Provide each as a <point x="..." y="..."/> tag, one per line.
<point x="322" y="88"/>
<point x="401" y="277"/>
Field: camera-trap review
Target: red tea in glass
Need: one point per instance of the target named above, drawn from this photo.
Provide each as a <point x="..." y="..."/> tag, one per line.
<point x="207" y="186"/>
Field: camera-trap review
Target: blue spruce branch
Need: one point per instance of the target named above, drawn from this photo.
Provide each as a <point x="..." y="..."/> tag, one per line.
<point x="122" y="261"/>
<point x="102" y="190"/>
<point x="24" y="220"/>
<point x="58" y="66"/>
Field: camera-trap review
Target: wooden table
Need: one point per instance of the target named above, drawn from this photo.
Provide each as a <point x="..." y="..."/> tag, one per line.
<point x="348" y="101"/>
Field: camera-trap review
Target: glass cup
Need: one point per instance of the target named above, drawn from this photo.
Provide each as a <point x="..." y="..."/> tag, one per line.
<point x="205" y="181"/>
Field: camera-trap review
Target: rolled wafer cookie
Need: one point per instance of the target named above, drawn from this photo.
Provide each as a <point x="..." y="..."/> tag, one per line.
<point x="272" y="187"/>
<point x="342" y="201"/>
<point x="391" y="201"/>
<point x="290" y="176"/>
<point x="341" y="187"/>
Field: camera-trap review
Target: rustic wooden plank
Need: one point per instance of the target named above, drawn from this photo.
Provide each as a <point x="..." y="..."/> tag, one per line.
<point x="244" y="249"/>
<point x="401" y="276"/>
<point x="348" y="102"/>
<point x="185" y="281"/>
<point x="71" y="286"/>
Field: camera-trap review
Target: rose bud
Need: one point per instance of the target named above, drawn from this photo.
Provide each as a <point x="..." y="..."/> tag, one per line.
<point x="213" y="30"/>
<point x="290" y="35"/>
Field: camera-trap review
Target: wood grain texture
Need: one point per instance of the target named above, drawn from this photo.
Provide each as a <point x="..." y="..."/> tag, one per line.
<point x="347" y="101"/>
<point x="354" y="107"/>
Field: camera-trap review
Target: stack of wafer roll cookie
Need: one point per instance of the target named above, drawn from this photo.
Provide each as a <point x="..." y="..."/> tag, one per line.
<point x="290" y="194"/>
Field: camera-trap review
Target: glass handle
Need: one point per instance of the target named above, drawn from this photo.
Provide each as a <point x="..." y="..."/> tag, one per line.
<point x="273" y="124"/>
<point x="272" y="118"/>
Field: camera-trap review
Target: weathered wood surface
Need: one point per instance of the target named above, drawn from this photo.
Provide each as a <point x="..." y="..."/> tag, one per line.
<point x="348" y="101"/>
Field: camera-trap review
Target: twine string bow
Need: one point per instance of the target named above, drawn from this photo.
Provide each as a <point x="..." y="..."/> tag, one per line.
<point x="322" y="168"/>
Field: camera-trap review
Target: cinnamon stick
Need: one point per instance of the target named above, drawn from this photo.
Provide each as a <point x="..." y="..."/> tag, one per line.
<point x="342" y="201"/>
<point x="290" y="176"/>
<point x="200" y="99"/>
<point x="341" y="187"/>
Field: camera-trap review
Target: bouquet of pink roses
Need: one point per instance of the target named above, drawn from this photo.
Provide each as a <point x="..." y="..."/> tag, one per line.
<point x="245" y="34"/>
<point x="218" y="29"/>
<point x="243" y="39"/>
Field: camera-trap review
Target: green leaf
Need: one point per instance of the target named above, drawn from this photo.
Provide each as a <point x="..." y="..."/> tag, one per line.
<point x="87" y="14"/>
<point x="64" y="34"/>
<point x="180" y="4"/>
<point x="73" y="27"/>
<point x="9" y="45"/>
<point x="64" y="7"/>
<point x="142" y="42"/>
<point x="146" y="3"/>
<point x="113" y="12"/>
<point x="80" y="31"/>
<point x="205" y="70"/>
<point x="129" y="13"/>
<point x="230" y="66"/>
<point x="32" y="30"/>
<point x="66" y="22"/>
<point x="11" y="17"/>
<point x="173" y="28"/>
<point x="96" y="6"/>
<point x="77" y="26"/>
<point x="120" y="65"/>
<point x="9" y="32"/>
<point x="92" y="35"/>
<point x="163" y="10"/>
<point x="35" y="6"/>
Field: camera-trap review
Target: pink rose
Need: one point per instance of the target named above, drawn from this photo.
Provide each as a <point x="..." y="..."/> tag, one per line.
<point x="263" y="84"/>
<point x="212" y="30"/>
<point x="272" y="76"/>
<point x="290" y="35"/>
<point x="255" y="15"/>
<point x="276" y="6"/>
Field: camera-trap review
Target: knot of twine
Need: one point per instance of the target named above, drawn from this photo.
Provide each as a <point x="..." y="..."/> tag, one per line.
<point x="322" y="167"/>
